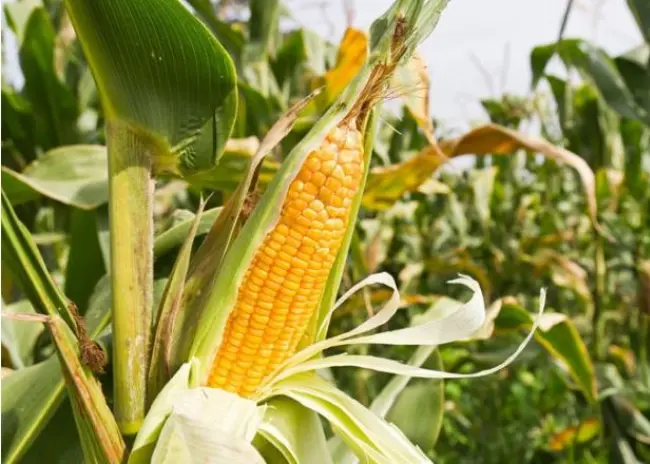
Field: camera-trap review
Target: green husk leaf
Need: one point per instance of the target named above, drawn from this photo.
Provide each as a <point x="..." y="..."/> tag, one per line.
<point x="459" y="323"/>
<point x="295" y="431"/>
<point x="160" y="410"/>
<point x="169" y="312"/>
<point x="370" y="437"/>
<point x="189" y="424"/>
<point x="209" y="425"/>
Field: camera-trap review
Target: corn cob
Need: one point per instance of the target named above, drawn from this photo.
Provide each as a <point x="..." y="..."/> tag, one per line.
<point x="282" y="286"/>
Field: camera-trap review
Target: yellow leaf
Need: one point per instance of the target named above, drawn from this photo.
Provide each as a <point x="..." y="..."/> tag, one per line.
<point x="575" y="435"/>
<point x="387" y="184"/>
<point x="352" y="55"/>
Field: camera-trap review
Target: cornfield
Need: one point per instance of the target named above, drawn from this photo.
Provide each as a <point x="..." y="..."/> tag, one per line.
<point x="220" y="244"/>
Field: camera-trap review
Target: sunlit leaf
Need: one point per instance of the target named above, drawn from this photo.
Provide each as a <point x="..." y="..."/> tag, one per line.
<point x="74" y="175"/>
<point x="483" y="185"/>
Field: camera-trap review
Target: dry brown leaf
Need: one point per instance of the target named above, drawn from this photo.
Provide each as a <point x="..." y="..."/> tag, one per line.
<point x="495" y="139"/>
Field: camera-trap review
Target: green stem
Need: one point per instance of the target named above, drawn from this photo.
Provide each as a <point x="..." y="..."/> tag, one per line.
<point x="131" y="224"/>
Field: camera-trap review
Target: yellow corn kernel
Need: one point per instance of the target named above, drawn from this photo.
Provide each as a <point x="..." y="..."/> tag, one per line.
<point x="282" y="287"/>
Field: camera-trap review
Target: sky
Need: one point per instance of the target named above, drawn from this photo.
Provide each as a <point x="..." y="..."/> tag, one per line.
<point x="481" y="48"/>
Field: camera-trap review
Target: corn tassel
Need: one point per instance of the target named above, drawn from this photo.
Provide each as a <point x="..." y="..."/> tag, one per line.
<point x="284" y="282"/>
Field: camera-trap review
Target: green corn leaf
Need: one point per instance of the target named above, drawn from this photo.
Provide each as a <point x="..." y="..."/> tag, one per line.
<point x="31" y="396"/>
<point x="426" y="400"/>
<point x="74" y="175"/>
<point x="17" y="15"/>
<point x="53" y="108"/>
<point x="560" y="338"/>
<point x="66" y="448"/>
<point x="596" y="66"/>
<point x="161" y="71"/>
<point x="301" y="47"/>
<point x="18" y="337"/>
<point x="402" y="402"/>
<point x="21" y="256"/>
